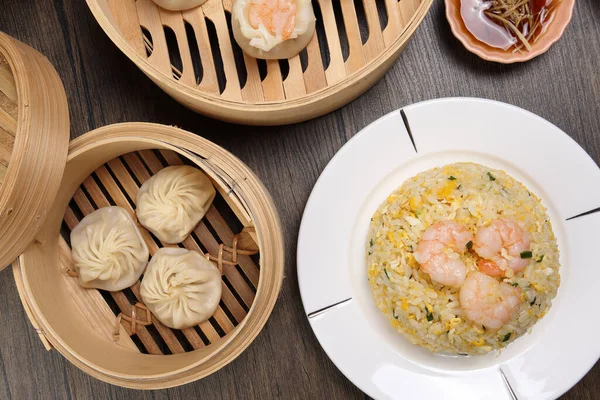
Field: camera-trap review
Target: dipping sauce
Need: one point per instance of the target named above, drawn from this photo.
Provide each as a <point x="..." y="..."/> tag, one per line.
<point x="508" y="24"/>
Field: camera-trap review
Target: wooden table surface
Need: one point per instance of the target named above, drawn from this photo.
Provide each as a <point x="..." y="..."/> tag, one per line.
<point x="285" y="361"/>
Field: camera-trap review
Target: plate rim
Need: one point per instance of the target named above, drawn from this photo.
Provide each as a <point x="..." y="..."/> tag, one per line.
<point x="304" y="292"/>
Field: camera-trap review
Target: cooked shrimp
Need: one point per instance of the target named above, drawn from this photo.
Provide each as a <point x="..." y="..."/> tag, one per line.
<point x="500" y="245"/>
<point x="489" y="267"/>
<point x="488" y="302"/>
<point x="438" y="252"/>
<point x="277" y="16"/>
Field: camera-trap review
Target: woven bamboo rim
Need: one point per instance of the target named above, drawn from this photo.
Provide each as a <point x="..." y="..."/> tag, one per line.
<point x="306" y="92"/>
<point x="80" y="324"/>
<point x="34" y="137"/>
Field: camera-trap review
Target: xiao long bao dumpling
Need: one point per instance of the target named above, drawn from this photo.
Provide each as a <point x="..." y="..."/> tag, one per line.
<point x="181" y="288"/>
<point x="179" y="5"/>
<point x="172" y="202"/>
<point x="273" y="29"/>
<point x="108" y="250"/>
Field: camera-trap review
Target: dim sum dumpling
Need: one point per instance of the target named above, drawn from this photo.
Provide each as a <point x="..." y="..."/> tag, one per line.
<point x="172" y="202"/>
<point x="273" y="29"/>
<point x="179" y="5"/>
<point x="181" y="288"/>
<point x="108" y="250"/>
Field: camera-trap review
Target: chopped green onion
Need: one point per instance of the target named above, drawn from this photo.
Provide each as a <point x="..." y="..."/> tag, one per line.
<point x="526" y="254"/>
<point x="506" y="337"/>
<point x="429" y="315"/>
<point x="515" y="284"/>
<point x="394" y="313"/>
<point x="371" y="242"/>
<point x="386" y="274"/>
<point x="533" y="301"/>
<point x="539" y="260"/>
<point x="370" y="252"/>
<point x="451" y="178"/>
<point x="492" y="177"/>
<point x="459" y="186"/>
<point x="469" y="245"/>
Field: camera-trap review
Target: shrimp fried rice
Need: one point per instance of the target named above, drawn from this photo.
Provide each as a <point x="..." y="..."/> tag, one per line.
<point x="429" y="313"/>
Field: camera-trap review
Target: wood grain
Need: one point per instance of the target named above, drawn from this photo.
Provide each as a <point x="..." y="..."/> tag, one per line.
<point x="562" y="86"/>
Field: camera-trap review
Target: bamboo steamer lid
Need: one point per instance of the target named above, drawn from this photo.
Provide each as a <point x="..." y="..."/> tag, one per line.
<point x="34" y="140"/>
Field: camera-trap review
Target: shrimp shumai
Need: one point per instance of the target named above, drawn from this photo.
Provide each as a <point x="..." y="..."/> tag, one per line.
<point x="273" y="29"/>
<point x="462" y="259"/>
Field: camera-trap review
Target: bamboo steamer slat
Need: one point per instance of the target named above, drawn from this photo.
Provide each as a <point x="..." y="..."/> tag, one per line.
<point x="104" y="167"/>
<point x="230" y="87"/>
<point x="34" y="138"/>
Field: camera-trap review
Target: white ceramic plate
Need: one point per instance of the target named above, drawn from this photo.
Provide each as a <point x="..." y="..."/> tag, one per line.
<point x="337" y="298"/>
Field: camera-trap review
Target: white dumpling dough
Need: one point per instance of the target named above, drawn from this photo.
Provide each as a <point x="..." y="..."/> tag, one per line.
<point x="181" y="288"/>
<point x="264" y="32"/>
<point x="172" y="202"/>
<point x="179" y="5"/>
<point x="108" y="250"/>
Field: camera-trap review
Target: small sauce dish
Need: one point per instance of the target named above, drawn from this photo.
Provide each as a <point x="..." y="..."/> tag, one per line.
<point x="556" y="27"/>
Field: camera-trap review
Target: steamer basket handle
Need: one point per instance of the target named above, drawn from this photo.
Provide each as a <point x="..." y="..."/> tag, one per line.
<point x="21" y="289"/>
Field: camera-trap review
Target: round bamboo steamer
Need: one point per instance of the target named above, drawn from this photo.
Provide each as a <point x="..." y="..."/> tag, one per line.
<point x="106" y="167"/>
<point x="34" y="137"/>
<point x="192" y="56"/>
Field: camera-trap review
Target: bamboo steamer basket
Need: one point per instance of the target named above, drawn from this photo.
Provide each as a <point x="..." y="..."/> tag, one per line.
<point x="105" y="167"/>
<point x="192" y="56"/>
<point x="34" y="135"/>
<point x="110" y="335"/>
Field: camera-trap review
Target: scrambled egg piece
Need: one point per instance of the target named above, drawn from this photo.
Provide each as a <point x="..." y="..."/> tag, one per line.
<point x="415" y="202"/>
<point x="372" y="272"/>
<point x="390" y="237"/>
<point x="446" y="190"/>
<point x="451" y="324"/>
<point x="410" y="259"/>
